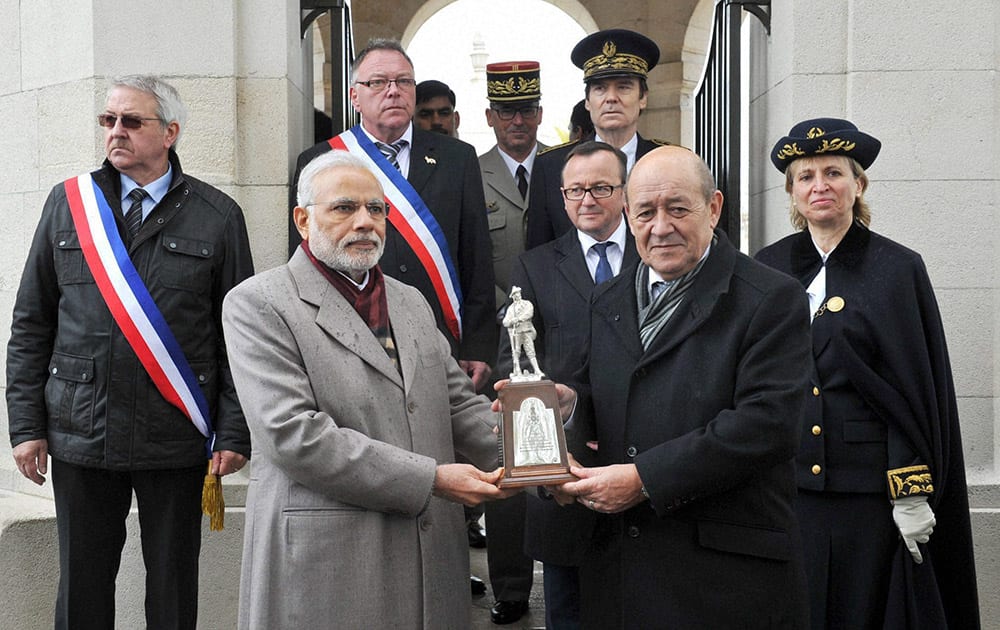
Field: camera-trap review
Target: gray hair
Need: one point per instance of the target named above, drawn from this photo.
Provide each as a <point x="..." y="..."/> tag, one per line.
<point x="320" y="163"/>
<point x="169" y="106"/>
<point x="377" y="43"/>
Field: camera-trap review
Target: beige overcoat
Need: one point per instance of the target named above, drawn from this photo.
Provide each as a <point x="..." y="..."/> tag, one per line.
<point x="342" y="530"/>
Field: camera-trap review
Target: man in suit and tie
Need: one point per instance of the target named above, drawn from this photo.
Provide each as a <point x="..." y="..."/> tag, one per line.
<point x="357" y="411"/>
<point x="615" y="65"/>
<point x="514" y="92"/>
<point x="443" y="248"/>
<point x="698" y="362"/>
<point x="436" y="108"/>
<point x="558" y="279"/>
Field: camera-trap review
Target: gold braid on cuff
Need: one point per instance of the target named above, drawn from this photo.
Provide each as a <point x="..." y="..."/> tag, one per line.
<point x="910" y="481"/>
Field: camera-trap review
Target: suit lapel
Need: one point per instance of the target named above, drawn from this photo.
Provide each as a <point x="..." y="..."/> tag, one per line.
<point x="498" y="177"/>
<point x="338" y="318"/>
<point x="571" y="264"/>
<point x="404" y="333"/>
<point x="423" y="158"/>
<point x="614" y="303"/>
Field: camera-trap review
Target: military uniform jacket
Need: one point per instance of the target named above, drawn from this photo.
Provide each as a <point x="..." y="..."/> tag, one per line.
<point x="73" y="378"/>
<point x="506" y="215"/>
<point x="881" y="398"/>
<point x="709" y="416"/>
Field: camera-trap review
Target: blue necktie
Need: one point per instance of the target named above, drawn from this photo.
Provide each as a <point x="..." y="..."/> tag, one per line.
<point x="603" y="272"/>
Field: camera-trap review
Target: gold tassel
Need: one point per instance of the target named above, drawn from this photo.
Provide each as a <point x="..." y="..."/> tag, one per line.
<point x="212" y="502"/>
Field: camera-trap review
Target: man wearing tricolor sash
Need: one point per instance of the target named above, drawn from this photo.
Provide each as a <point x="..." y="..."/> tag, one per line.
<point x="437" y="238"/>
<point x="116" y="366"/>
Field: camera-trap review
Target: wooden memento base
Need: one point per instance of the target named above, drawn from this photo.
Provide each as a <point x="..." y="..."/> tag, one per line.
<point x="531" y="439"/>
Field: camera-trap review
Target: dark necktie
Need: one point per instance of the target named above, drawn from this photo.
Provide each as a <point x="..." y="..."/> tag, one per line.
<point x="133" y="218"/>
<point x="603" y="272"/>
<point x="391" y="151"/>
<point x="522" y="180"/>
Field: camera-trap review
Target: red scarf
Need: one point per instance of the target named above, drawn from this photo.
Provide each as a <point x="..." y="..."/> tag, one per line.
<point x="369" y="302"/>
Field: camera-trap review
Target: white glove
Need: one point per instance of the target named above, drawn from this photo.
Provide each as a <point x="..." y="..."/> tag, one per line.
<point x="915" y="521"/>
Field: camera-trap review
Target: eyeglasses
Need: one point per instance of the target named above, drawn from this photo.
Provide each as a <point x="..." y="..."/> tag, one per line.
<point x="346" y="209"/>
<point x="601" y="191"/>
<point x="377" y="85"/>
<point x="129" y="122"/>
<point x="528" y="112"/>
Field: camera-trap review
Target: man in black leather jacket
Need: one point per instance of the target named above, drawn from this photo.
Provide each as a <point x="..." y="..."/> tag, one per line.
<point x="76" y="389"/>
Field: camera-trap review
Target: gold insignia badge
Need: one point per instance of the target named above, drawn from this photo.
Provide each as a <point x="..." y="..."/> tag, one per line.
<point x="430" y="160"/>
<point x="815" y="132"/>
<point x="609" y="49"/>
<point x="835" y="304"/>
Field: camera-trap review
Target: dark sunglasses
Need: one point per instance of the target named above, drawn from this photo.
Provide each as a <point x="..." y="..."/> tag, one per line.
<point x="129" y="122"/>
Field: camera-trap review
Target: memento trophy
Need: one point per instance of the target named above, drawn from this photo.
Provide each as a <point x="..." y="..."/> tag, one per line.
<point x="531" y="439"/>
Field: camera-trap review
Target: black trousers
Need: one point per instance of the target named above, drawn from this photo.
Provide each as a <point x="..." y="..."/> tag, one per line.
<point x="91" y="507"/>
<point x="511" y="571"/>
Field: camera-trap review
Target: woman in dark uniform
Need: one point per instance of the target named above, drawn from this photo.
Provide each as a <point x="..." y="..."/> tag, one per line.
<point x="882" y="495"/>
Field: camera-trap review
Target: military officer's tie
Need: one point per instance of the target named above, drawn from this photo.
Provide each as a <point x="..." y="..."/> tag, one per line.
<point x="522" y="180"/>
<point x="391" y="151"/>
<point x="603" y="272"/>
<point x="133" y="218"/>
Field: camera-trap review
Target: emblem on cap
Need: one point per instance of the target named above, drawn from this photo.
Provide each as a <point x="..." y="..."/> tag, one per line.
<point x="615" y="52"/>
<point x="513" y="81"/>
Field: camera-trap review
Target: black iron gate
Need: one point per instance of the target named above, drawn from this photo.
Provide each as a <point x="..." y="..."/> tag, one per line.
<point x="718" y="124"/>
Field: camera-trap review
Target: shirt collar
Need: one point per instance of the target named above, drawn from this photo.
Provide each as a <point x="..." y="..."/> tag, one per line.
<point x="512" y="164"/>
<point x="156" y="189"/>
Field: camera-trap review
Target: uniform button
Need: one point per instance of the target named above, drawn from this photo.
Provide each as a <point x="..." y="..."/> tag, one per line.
<point x="817" y="469"/>
<point x="815" y="391"/>
<point x="631" y="451"/>
<point x="55" y="370"/>
<point x="202" y="378"/>
<point x="83" y="376"/>
<point x="617" y="317"/>
<point x="62" y="243"/>
<point x="410" y="406"/>
<point x="160" y="220"/>
<point x="204" y="252"/>
<point x="425" y="524"/>
<point x="402" y="268"/>
<point x="633" y="531"/>
<point x="173" y="245"/>
<point x="177" y="205"/>
<point x="817" y="429"/>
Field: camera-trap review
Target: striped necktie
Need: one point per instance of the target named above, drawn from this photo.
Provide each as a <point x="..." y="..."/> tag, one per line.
<point x="133" y="218"/>
<point x="391" y="151"/>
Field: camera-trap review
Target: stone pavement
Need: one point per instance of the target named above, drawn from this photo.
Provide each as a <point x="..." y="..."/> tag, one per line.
<point x="481" y="606"/>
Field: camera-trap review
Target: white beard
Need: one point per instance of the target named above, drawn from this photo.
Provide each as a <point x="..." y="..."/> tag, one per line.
<point x="336" y="255"/>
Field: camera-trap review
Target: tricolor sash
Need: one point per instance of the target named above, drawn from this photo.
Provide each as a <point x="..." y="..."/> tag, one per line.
<point x="131" y="305"/>
<point x="415" y="223"/>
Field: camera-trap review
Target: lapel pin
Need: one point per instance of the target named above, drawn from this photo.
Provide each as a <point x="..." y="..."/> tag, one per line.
<point x="430" y="160"/>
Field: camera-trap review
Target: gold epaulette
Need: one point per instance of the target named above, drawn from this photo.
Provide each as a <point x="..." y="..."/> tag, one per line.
<point x="558" y="146"/>
<point x="910" y="481"/>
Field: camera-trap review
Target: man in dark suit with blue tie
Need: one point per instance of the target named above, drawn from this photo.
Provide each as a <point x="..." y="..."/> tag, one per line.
<point x="558" y="278"/>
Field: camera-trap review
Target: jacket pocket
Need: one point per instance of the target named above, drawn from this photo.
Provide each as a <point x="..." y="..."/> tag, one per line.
<point x="166" y="422"/>
<point x="69" y="393"/>
<point x="497" y="222"/>
<point x="71" y="267"/>
<point x="187" y="264"/>
<point x="773" y="544"/>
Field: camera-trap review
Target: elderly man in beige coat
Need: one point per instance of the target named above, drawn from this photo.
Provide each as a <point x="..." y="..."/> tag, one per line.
<point x="356" y="411"/>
